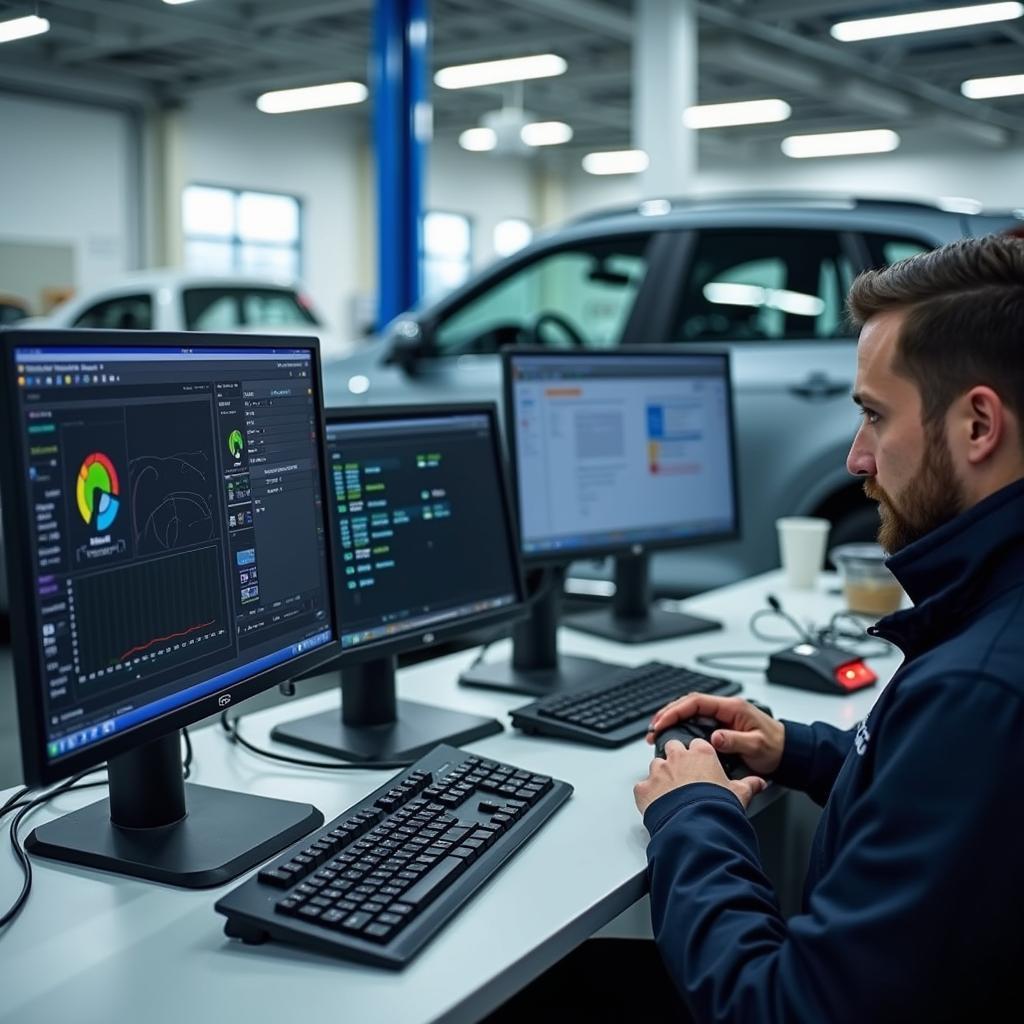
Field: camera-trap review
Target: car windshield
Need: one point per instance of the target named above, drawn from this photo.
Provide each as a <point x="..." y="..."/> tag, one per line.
<point x="229" y="308"/>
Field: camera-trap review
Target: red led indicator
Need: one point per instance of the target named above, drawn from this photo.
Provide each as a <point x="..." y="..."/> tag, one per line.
<point x="854" y="675"/>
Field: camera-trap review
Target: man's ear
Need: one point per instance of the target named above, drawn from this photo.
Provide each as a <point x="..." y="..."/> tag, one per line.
<point x="984" y="423"/>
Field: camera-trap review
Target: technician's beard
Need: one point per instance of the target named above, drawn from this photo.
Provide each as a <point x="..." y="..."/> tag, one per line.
<point x="932" y="498"/>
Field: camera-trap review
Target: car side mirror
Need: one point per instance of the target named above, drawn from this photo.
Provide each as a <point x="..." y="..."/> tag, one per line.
<point x="406" y="346"/>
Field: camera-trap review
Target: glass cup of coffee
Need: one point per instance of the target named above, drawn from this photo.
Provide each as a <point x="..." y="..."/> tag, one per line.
<point x="868" y="585"/>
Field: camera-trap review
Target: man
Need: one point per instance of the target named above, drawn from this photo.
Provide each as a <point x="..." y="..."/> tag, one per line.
<point x="914" y="904"/>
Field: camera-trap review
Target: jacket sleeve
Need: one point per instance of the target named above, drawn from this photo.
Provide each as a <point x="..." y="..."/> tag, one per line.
<point x="812" y="757"/>
<point x="918" y="911"/>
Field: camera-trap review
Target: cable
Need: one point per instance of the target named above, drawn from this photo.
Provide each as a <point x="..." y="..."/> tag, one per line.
<point x="854" y="640"/>
<point x="234" y="736"/>
<point x="186" y="765"/>
<point x="24" y="807"/>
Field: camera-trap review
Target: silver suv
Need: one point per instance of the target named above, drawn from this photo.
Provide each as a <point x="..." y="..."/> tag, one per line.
<point x="764" y="276"/>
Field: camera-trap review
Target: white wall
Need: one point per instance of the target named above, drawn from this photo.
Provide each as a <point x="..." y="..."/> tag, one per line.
<point x="487" y="188"/>
<point x="315" y="156"/>
<point x="65" y="178"/>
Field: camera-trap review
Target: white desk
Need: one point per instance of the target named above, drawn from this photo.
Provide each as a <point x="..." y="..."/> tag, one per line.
<point x="96" y="947"/>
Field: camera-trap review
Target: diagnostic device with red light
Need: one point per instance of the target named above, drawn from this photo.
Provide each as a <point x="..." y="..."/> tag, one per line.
<point x="824" y="668"/>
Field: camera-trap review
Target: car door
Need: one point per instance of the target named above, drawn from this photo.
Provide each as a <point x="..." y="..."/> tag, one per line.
<point x="774" y="296"/>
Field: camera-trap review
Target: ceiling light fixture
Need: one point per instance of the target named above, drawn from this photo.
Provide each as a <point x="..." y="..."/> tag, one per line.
<point x="725" y="115"/>
<point x="990" y="88"/>
<point x="478" y="140"/>
<point x="616" y="161"/>
<point x="546" y="133"/>
<point x="877" y="140"/>
<point x="22" y="28"/>
<point x="494" y="72"/>
<point x="924" y="21"/>
<point x="313" y="97"/>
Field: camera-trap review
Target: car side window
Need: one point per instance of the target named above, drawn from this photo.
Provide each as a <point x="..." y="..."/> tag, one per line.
<point x="764" y="285"/>
<point x="886" y="249"/>
<point x="127" y="312"/>
<point x="578" y="296"/>
<point x="228" y="308"/>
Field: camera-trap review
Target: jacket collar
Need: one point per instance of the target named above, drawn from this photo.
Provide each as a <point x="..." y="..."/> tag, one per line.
<point x="952" y="571"/>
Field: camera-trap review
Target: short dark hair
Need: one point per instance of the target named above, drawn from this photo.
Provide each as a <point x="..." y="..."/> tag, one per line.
<point x="963" y="323"/>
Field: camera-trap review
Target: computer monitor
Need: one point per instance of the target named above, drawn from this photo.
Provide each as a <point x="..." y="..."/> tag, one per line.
<point x="425" y="549"/>
<point x="614" y="452"/>
<point x="167" y="552"/>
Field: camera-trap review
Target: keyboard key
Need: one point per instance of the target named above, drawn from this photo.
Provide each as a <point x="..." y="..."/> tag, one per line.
<point x="434" y="882"/>
<point x="355" y="922"/>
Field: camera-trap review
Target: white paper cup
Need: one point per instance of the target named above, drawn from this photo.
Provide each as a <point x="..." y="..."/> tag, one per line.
<point x="802" y="542"/>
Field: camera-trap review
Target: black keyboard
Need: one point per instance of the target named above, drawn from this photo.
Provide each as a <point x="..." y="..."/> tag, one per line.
<point x="377" y="882"/>
<point x="616" y="712"/>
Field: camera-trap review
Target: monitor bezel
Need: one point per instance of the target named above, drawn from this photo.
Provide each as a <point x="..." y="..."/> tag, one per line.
<point x="633" y="548"/>
<point x="38" y="770"/>
<point x="415" y="640"/>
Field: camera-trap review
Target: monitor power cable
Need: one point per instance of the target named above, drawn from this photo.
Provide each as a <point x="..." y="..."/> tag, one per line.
<point x="24" y="803"/>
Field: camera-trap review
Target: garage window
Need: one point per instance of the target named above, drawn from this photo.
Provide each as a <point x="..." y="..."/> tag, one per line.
<point x="765" y="285"/>
<point x="240" y="231"/>
<point x="447" y="251"/>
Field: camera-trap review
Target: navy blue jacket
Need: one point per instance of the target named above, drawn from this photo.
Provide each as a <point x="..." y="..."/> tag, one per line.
<point x="914" y="901"/>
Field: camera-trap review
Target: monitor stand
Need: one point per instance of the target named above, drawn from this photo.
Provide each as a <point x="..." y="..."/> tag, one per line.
<point x="156" y="827"/>
<point x="536" y="667"/>
<point x="632" y="618"/>
<point x="374" y="726"/>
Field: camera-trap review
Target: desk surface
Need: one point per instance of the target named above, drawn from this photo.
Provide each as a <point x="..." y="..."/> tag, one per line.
<point x="90" y="946"/>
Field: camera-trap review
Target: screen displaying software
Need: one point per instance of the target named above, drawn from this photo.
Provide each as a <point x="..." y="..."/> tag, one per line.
<point x="616" y="450"/>
<point x="175" y="514"/>
<point x="422" y="529"/>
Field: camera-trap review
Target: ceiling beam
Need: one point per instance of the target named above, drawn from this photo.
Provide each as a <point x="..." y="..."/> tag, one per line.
<point x="596" y="17"/>
<point x="936" y="97"/>
<point x="294" y="13"/>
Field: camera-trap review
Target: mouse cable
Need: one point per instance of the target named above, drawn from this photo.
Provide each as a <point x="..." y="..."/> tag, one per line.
<point x="24" y="804"/>
<point x="230" y="727"/>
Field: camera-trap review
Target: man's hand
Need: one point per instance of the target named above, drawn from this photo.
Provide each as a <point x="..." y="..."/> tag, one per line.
<point x="680" y="766"/>
<point x="756" y="737"/>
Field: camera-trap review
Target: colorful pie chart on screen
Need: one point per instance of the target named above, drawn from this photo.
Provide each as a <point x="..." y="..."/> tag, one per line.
<point x="98" y="490"/>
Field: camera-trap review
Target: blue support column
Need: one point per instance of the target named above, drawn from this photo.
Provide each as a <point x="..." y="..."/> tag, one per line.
<point x="401" y="130"/>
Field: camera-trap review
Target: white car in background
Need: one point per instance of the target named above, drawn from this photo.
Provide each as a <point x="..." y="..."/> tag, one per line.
<point x="176" y="300"/>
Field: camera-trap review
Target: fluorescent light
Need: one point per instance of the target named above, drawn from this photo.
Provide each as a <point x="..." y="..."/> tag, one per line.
<point x="989" y="88"/>
<point x="617" y="161"/>
<point x="177" y="1"/>
<point x="878" y="140"/>
<point x="478" y="140"/>
<point x="726" y="293"/>
<point x="924" y="21"/>
<point x="545" y="133"/>
<point x="313" y="97"/>
<point x="22" y="28"/>
<point x="491" y="72"/>
<point x="723" y="115"/>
